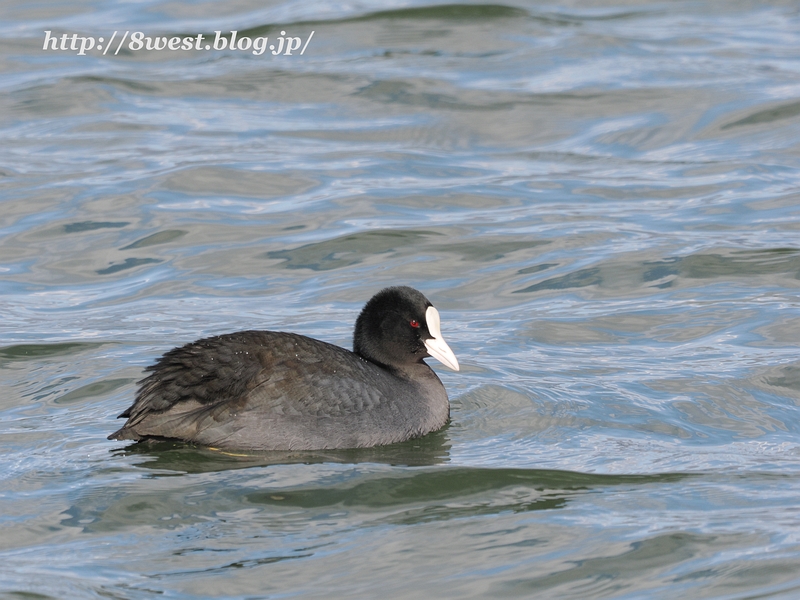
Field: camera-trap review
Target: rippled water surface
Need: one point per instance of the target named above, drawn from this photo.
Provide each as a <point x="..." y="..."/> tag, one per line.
<point x="601" y="199"/>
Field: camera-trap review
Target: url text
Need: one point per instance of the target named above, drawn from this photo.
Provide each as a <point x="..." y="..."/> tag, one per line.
<point x="137" y="41"/>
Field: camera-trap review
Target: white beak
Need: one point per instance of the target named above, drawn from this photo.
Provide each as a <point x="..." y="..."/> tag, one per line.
<point x="436" y="346"/>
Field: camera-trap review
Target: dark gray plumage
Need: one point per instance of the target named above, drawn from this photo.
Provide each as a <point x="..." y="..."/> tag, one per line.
<point x="266" y="390"/>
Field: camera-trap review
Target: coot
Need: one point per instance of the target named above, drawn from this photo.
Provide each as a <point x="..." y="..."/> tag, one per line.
<point x="267" y="390"/>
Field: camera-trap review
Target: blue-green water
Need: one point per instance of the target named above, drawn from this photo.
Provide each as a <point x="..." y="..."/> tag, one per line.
<point x="601" y="199"/>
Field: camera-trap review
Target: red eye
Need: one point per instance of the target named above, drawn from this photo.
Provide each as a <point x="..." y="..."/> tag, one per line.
<point x="414" y="323"/>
